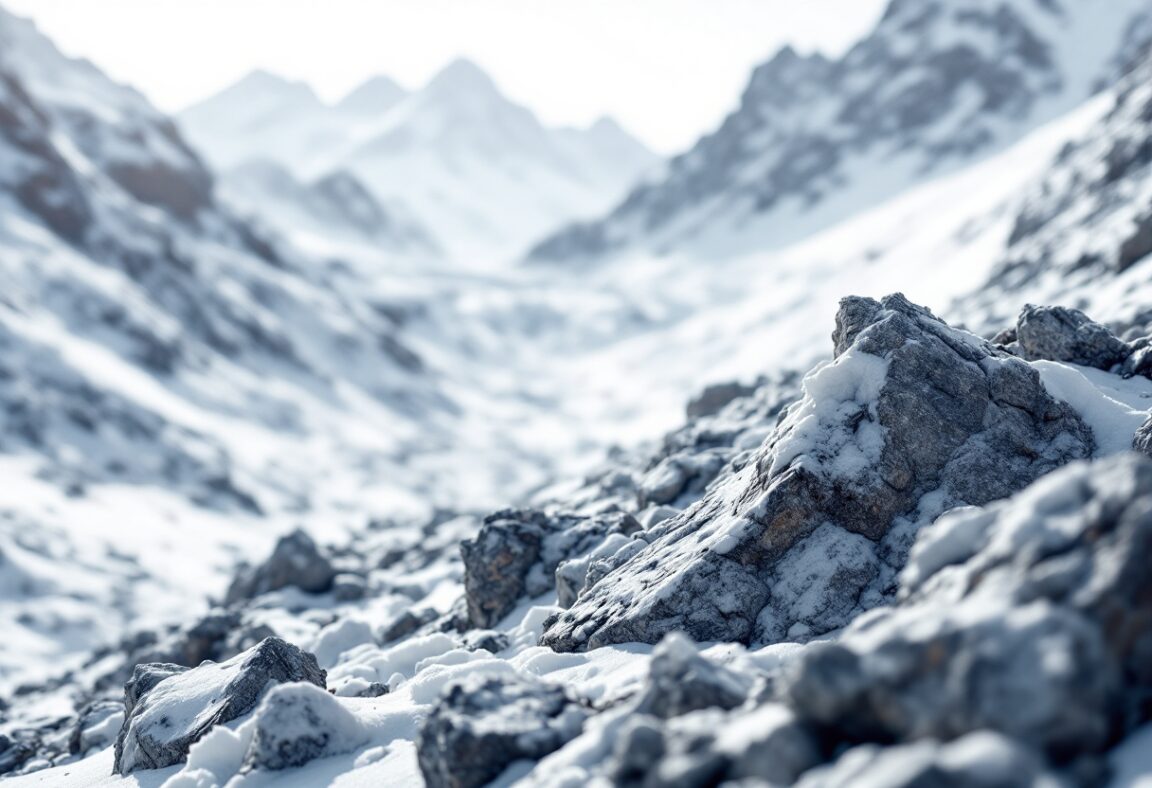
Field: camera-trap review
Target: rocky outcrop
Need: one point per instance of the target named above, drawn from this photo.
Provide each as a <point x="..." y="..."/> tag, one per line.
<point x="913" y="417"/>
<point x="296" y="561"/>
<point x="485" y="723"/>
<point x="168" y="708"/>
<point x="516" y="554"/>
<point x="1031" y="618"/>
<point x="1057" y="333"/>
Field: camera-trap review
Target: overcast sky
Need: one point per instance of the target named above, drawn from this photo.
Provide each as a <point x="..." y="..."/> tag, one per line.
<point x="667" y="69"/>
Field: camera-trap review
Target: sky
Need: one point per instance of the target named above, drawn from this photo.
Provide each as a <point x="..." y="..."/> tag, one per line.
<point x="668" y="70"/>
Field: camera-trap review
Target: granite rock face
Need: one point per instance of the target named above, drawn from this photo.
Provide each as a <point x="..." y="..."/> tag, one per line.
<point x="485" y="723"/>
<point x="1057" y="333"/>
<point x="168" y="708"/>
<point x="1031" y="617"/>
<point x="516" y="554"/>
<point x="912" y="418"/>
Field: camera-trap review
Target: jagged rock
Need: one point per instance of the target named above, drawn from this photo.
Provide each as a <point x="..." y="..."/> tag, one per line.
<point x="1057" y="333"/>
<point x="1142" y="440"/>
<point x="16" y="751"/>
<point x="295" y="561"/>
<point x="408" y="622"/>
<point x="1030" y="618"/>
<point x="712" y="399"/>
<point x="167" y="707"/>
<point x="979" y="760"/>
<point x="1136" y="246"/>
<point x="516" y="554"/>
<point x="680" y="680"/>
<point x="576" y="575"/>
<point x="96" y="726"/>
<point x="486" y="640"/>
<point x="706" y="748"/>
<point x="485" y="723"/>
<point x="797" y="542"/>
<point x="686" y="472"/>
<point x="298" y="723"/>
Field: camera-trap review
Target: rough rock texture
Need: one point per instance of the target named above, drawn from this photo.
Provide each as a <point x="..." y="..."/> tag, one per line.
<point x="680" y="680"/>
<point x="485" y="723"/>
<point x="706" y="748"/>
<point x="812" y="532"/>
<point x="1032" y="618"/>
<point x="979" y="760"/>
<point x="295" y="561"/>
<point x="516" y="554"/>
<point x="1142" y="440"/>
<point x="713" y="398"/>
<point x="1057" y="333"/>
<point x="298" y="723"/>
<point x="167" y="708"/>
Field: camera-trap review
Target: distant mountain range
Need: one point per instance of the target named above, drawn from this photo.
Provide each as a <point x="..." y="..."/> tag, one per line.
<point x="937" y="84"/>
<point x="479" y="173"/>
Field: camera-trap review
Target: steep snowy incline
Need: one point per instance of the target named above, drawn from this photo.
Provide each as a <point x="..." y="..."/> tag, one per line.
<point x="937" y="85"/>
<point x="1084" y="232"/>
<point x="479" y="171"/>
<point x="180" y="387"/>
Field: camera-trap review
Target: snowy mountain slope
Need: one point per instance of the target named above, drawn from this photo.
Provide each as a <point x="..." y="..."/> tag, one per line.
<point x="1084" y="232"/>
<point x="179" y="388"/>
<point x="245" y="119"/>
<point x="482" y="173"/>
<point x="337" y="206"/>
<point x="934" y="86"/>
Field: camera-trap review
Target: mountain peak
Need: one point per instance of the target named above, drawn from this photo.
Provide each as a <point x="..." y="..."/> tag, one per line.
<point x="376" y="95"/>
<point x="462" y="76"/>
<point x="262" y="81"/>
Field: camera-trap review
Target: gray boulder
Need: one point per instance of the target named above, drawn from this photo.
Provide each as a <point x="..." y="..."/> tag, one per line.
<point x="485" y="723"/>
<point x="516" y="554"/>
<point x="713" y="398"/>
<point x="1057" y="333"/>
<point x="979" y="760"/>
<point x="680" y="680"/>
<point x="295" y="561"/>
<point x="709" y="747"/>
<point x="168" y="708"/>
<point x="298" y="723"/>
<point x="96" y="726"/>
<point x="813" y="530"/>
<point x="1029" y="618"/>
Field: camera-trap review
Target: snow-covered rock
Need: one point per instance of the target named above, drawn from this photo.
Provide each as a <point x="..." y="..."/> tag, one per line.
<point x="484" y="724"/>
<point x="1027" y="617"/>
<point x="168" y="708"/>
<point x="912" y="418"/>
<point x="298" y="723"/>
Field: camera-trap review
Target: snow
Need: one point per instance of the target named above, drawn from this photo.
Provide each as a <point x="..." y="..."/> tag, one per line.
<point x="428" y="154"/>
<point x="1114" y="408"/>
<point x="833" y="393"/>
